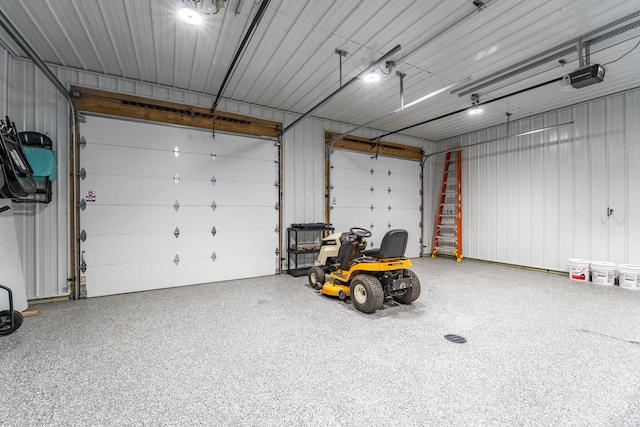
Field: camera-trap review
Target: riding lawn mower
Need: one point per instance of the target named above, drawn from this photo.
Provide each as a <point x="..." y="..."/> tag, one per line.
<point x="345" y="268"/>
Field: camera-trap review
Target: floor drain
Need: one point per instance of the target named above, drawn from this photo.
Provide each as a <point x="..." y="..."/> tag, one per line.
<point x="456" y="339"/>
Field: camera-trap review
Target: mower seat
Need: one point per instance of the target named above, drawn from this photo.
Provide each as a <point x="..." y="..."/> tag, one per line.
<point x="393" y="245"/>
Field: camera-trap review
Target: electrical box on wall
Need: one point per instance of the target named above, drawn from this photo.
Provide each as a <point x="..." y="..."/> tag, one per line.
<point x="587" y="76"/>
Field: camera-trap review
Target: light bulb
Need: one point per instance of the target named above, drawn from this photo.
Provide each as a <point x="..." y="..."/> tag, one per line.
<point x="371" y="77"/>
<point x="189" y="14"/>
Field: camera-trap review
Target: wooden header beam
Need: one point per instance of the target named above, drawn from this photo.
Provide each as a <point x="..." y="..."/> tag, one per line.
<point x="140" y="108"/>
<point x="365" y="145"/>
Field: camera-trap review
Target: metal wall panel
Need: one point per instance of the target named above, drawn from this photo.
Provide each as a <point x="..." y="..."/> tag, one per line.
<point x="540" y="199"/>
<point x="32" y="102"/>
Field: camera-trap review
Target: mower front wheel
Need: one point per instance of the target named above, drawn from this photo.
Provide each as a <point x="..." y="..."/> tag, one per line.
<point x="367" y="294"/>
<point x="412" y="293"/>
<point x="5" y="321"/>
<point x="316" y="277"/>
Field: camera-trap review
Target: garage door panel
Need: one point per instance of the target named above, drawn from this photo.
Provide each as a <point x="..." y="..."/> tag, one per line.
<point x="121" y="219"/>
<point x="135" y="134"/>
<point x="131" y="244"/>
<point x="404" y="200"/>
<point x="351" y="160"/>
<point x="345" y="218"/>
<point x="245" y="242"/>
<point x="126" y="248"/>
<point x="250" y="171"/>
<point x="351" y="178"/>
<point x="243" y="148"/>
<point x="350" y="198"/>
<point x="244" y="194"/>
<point x="405" y="182"/>
<point x="128" y="190"/>
<point x="379" y="181"/>
<point x="240" y="218"/>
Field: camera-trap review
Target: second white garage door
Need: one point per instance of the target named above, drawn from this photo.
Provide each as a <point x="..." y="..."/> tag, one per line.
<point x="377" y="194"/>
<point x="166" y="206"/>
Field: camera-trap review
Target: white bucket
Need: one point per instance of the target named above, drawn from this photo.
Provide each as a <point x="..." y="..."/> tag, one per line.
<point x="579" y="269"/>
<point x="603" y="273"/>
<point x="629" y="276"/>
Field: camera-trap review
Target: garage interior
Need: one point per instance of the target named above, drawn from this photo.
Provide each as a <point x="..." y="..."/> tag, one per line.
<point x="154" y="266"/>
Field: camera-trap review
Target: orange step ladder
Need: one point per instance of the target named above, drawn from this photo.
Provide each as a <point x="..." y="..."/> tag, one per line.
<point x="447" y="238"/>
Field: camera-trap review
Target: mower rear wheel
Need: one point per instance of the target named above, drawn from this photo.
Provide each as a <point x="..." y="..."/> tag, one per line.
<point x="5" y="321"/>
<point x="367" y="294"/>
<point x="413" y="293"/>
<point x="316" y="277"/>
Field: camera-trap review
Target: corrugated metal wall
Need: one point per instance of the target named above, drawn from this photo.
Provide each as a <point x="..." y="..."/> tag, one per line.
<point x="541" y="199"/>
<point x="32" y="102"/>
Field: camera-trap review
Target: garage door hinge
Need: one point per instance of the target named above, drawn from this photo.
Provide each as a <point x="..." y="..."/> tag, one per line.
<point x="83" y="236"/>
<point x="277" y="206"/>
<point x="176" y="259"/>
<point x="213" y="180"/>
<point x="214" y="231"/>
<point x="389" y="226"/>
<point x="214" y="206"/>
<point x="372" y="208"/>
<point x="213" y="156"/>
<point x="371" y="226"/>
<point x="83" y="264"/>
<point x="83" y="173"/>
<point x="176" y="151"/>
<point x="213" y="257"/>
<point x="371" y="188"/>
<point x="83" y="205"/>
<point x="277" y="230"/>
<point x="176" y="178"/>
<point x="389" y="190"/>
<point x="83" y="142"/>
<point x="389" y="172"/>
<point x="277" y="251"/>
<point x="389" y="208"/>
<point x="176" y="205"/>
<point x="371" y="171"/>
<point x="176" y="232"/>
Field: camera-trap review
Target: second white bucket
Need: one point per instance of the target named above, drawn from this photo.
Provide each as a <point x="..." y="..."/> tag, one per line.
<point x="603" y="273"/>
<point x="579" y="269"/>
<point x="629" y="276"/>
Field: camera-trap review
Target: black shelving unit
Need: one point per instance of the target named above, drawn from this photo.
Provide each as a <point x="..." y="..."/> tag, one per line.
<point x="303" y="246"/>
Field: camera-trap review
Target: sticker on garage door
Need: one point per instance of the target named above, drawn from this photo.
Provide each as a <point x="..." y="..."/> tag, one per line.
<point x="91" y="196"/>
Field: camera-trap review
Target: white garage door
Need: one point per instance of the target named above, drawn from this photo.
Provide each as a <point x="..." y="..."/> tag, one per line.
<point x="167" y="206"/>
<point x="379" y="195"/>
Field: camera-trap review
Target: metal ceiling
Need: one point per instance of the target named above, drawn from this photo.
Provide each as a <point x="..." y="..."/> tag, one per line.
<point x="291" y="64"/>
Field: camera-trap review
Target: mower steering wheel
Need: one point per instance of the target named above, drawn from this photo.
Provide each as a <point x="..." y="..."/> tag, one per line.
<point x="360" y="232"/>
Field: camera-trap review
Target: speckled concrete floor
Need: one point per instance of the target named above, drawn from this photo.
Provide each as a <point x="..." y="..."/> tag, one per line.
<point x="271" y="351"/>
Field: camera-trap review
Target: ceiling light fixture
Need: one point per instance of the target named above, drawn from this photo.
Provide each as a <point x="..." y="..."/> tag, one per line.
<point x="475" y="100"/>
<point x="192" y="11"/>
<point x="189" y="13"/>
<point x="371" y="77"/>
